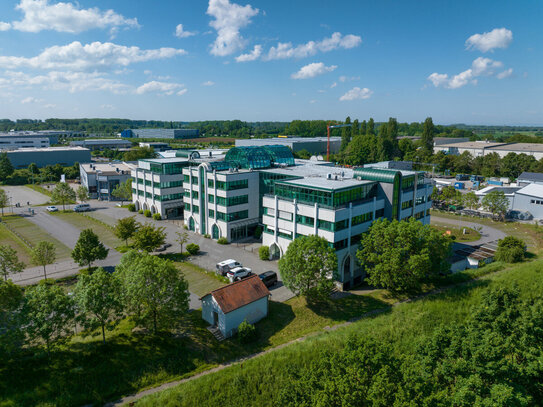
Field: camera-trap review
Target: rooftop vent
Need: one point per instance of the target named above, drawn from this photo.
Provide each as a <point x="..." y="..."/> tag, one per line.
<point x="328" y="176"/>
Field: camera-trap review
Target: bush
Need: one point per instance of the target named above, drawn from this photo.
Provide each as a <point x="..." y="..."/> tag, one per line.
<point x="140" y="211"/>
<point x="193" y="248"/>
<point x="264" y="252"/>
<point x="510" y="250"/>
<point x="222" y="240"/>
<point x="131" y="207"/>
<point x="157" y="216"/>
<point x="258" y="232"/>
<point x="246" y="332"/>
<point x="207" y="236"/>
<point x="147" y="213"/>
<point x="185" y="227"/>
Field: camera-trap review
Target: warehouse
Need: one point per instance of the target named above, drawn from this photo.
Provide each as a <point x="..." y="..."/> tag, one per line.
<point x="530" y="199"/>
<point x="65" y="156"/>
<point x="15" y="141"/>
<point x="102" y="144"/>
<point x="313" y="145"/>
<point x="161" y="133"/>
<point x="475" y="148"/>
<point x="533" y="149"/>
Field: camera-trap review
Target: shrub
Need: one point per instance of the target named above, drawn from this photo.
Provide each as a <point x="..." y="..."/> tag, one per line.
<point x="510" y="250"/>
<point x="264" y="252"/>
<point x="258" y="232"/>
<point x="246" y="332"/>
<point x="193" y="248"/>
<point x="131" y="207"/>
<point x="222" y="240"/>
<point x="207" y="236"/>
<point x="157" y="216"/>
<point x="140" y="211"/>
<point x="147" y="213"/>
<point x="185" y="227"/>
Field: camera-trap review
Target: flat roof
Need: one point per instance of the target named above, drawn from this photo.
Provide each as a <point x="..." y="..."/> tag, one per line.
<point x="531" y="176"/>
<point x="471" y="144"/>
<point x="287" y="140"/>
<point x="325" y="183"/>
<point x="535" y="190"/>
<point x="521" y="147"/>
<point x="107" y="167"/>
<point x="48" y="149"/>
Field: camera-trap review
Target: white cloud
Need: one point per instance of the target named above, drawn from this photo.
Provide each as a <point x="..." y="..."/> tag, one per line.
<point x="253" y="55"/>
<point x="164" y="88"/>
<point x="480" y="67"/>
<point x="208" y="83"/>
<point x="31" y="99"/>
<point x="357" y="93"/>
<point x="488" y="41"/>
<point x="312" y="70"/>
<point x="344" y="78"/>
<point x="147" y="72"/>
<point x="182" y="92"/>
<point x="505" y="74"/>
<point x="96" y="55"/>
<point x="312" y="101"/>
<point x="49" y="106"/>
<point x="4" y="26"/>
<point x="181" y="33"/>
<point x="333" y="85"/>
<point x="229" y="18"/>
<point x="285" y="50"/>
<point x="39" y="15"/>
<point x="107" y="107"/>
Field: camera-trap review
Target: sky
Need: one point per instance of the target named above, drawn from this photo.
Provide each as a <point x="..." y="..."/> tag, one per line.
<point x="473" y="62"/>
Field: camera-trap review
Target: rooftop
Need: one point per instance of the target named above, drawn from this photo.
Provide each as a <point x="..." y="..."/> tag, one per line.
<point x="107" y="168"/>
<point x="492" y="188"/>
<point x="472" y="144"/>
<point x="286" y="140"/>
<point x="520" y="147"/>
<point x="239" y="294"/>
<point x="49" y="149"/>
<point x="532" y="190"/>
<point x="531" y="176"/>
<point x="319" y="182"/>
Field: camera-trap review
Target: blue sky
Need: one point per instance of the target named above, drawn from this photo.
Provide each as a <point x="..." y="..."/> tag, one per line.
<point x="457" y="61"/>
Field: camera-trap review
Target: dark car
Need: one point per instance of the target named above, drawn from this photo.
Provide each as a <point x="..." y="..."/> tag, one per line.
<point x="269" y="278"/>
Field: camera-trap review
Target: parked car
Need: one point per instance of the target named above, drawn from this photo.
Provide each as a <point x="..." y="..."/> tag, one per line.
<point x="163" y="247"/>
<point x="52" y="209"/>
<point x="239" y="273"/>
<point x="226" y="265"/>
<point x="82" y="208"/>
<point x="269" y="278"/>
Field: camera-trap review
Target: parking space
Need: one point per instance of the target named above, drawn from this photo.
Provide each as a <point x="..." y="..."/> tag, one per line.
<point x="24" y="195"/>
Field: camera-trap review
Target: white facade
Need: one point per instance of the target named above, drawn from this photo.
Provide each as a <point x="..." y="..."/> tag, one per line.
<point x="16" y="142"/>
<point x="101" y="179"/>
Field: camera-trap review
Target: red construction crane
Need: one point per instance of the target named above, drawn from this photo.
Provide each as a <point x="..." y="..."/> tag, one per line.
<point x="333" y="126"/>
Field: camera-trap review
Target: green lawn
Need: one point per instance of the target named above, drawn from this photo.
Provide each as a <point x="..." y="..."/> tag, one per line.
<point x="458" y="234"/>
<point x="200" y="281"/>
<point x="81" y="222"/>
<point x="9" y="239"/>
<point x="34" y="234"/>
<point x="40" y="189"/>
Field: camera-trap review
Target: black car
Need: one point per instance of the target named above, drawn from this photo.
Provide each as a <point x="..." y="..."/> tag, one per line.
<point x="269" y="278"/>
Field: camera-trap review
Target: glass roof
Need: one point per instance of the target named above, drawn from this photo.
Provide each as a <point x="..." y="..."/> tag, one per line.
<point x="376" y="174"/>
<point x="258" y="157"/>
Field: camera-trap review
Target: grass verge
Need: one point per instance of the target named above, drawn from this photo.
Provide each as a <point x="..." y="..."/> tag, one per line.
<point x="458" y="234"/>
<point x="7" y="238"/>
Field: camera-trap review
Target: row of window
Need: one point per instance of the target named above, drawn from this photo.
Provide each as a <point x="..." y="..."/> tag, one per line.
<point x="536" y="202"/>
<point x="230" y="201"/>
<point x="323" y="224"/>
<point x="231" y="217"/>
<point x="159" y="185"/>
<point x="326" y="198"/>
<point x="407" y="204"/>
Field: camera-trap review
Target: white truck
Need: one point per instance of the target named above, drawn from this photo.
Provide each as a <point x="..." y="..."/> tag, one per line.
<point x="225" y="266"/>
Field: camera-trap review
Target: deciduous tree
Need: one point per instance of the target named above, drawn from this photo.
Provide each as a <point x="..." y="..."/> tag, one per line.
<point x="511" y="249"/>
<point x="9" y="262"/>
<point x="182" y="238"/>
<point x="123" y="191"/>
<point x="6" y="168"/>
<point x="63" y="194"/>
<point x="43" y="254"/>
<point x="427" y="139"/>
<point x="88" y="249"/>
<point x="4" y="200"/>
<point x="470" y="200"/>
<point x="496" y="203"/>
<point x="82" y="193"/>
<point x="149" y="237"/>
<point x="125" y="228"/>
<point x="11" y="300"/>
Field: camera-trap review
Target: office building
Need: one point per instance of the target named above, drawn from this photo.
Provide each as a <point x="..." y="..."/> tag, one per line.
<point x="102" y="144"/>
<point x="15" y="141"/>
<point x="65" y="156"/>
<point x="313" y="145"/>
<point x="160" y="133"/>
<point x="102" y="178"/>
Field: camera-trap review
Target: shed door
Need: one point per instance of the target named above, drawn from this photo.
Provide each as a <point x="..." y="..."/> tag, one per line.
<point x="215" y="318"/>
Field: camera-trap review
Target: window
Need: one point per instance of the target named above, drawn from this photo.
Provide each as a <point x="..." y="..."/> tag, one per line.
<point x="379" y="213"/>
<point x="232" y="201"/>
<point x="170" y="197"/>
<point x="211" y="213"/>
<point x="211" y="198"/>
<point x="194" y="180"/>
<point x="186" y="193"/>
<point x="231" y="217"/>
<point x="285" y="234"/>
<point x="305" y="220"/>
<point x="195" y="194"/>
<point x="232" y="185"/>
<point x="269" y="211"/>
<point x="171" y="184"/>
<point x="407" y="204"/>
<point x="187" y="207"/>
<point x="148" y="195"/>
<point x="148" y="183"/>
<point x="355" y="239"/>
<point x="269" y="230"/>
<point x="420" y="200"/>
<point x="342" y="224"/>
<point x="419" y="215"/>
<point x="195" y="209"/>
<point x="366" y="217"/>
<point x="332" y="199"/>
<point x="186" y="178"/>
<point x="325" y="225"/>
<point x="408" y="182"/>
<point x="210" y="183"/>
<point x="342" y="244"/>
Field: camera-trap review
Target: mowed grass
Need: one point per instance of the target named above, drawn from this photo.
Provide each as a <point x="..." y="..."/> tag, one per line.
<point x="100" y="216"/>
<point x="257" y="382"/>
<point x="9" y="239"/>
<point x="458" y="234"/>
<point x="34" y="234"/>
<point x="200" y="281"/>
<point x="81" y="222"/>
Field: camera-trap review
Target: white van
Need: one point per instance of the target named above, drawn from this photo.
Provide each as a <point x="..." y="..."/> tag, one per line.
<point x="226" y="265"/>
<point x="82" y="208"/>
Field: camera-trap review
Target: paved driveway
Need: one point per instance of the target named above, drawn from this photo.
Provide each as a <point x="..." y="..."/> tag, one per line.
<point x="488" y="234"/>
<point x="22" y="195"/>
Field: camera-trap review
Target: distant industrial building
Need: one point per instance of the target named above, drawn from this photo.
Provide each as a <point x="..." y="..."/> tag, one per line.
<point x="533" y="149"/>
<point x="156" y="146"/>
<point x="16" y="141"/>
<point x="475" y="148"/>
<point x="102" y="179"/>
<point x="102" y="144"/>
<point x="480" y="148"/>
<point x="530" y="178"/>
<point x="314" y="145"/>
<point x="160" y="133"/>
<point x="51" y="135"/>
<point x="65" y="156"/>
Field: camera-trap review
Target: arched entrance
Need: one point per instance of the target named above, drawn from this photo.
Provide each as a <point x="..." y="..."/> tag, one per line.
<point x="215" y="232"/>
<point x="191" y="224"/>
<point x="347" y="272"/>
<point x="144" y="206"/>
<point x="275" y="251"/>
<point x="153" y="209"/>
<point x="138" y="206"/>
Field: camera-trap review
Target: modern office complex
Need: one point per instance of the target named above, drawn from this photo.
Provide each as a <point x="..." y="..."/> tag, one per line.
<point x="65" y="156"/>
<point x="160" y="133"/>
<point x="102" y="144"/>
<point x="101" y="179"/>
<point x="265" y="186"/>
<point x="313" y="145"/>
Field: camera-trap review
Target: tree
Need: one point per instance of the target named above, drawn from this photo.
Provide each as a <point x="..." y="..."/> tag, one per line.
<point x="125" y="228"/>
<point x="398" y="255"/>
<point x="345" y="134"/>
<point x="470" y="200"/>
<point x="48" y="313"/>
<point x="427" y="138"/>
<point x="88" y="249"/>
<point x="496" y="203"/>
<point x="309" y="267"/>
<point x="11" y="300"/>
<point x="511" y="250"/>
<point x="182" y="238"/>
<point x="33" y="168"/>
<point x="123" y="191"/>
<point x="82" y="193"/>
<point x="154" y="289"/>
<point x="4" y="200"/>
<point x="149" y="237"/>
<point x="9" y="262"/>
<point x="63" y="194"/>
<point x="370" y="129"/>
<point x="6" y="168"/>
<point x="98" y="296"/>
<point x="44" y="253"/>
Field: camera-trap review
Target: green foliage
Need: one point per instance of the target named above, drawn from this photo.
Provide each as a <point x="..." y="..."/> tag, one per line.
<point x="264" y="252"/>
<point x="399" y="255"/>
<point x="496" y="203"/>
<point x="308" y="267"/>
<point x="6" y="168"/>
<point x="140" y="211"/>
<point x="82" y="194"/>
<point x="149" y="237"/>
<point x="98" y="297"/>
<point x="123" y="191"/>
<point x="63" y="194"/>
<point x="193" y="249"/>
<point x="43" y="254"/>
<point x="154" y="290"/>
<point x="182" y="238"/>
<point x="11" y="323"/>
<point x="510" y="250"/>
<point x="4" y="200"/>
<point x="48" y="313"/>
<point x="147" y="213"/>
<point x="157" y="216"/>
<point x="246" y="332"/>
<point x="125" y="228"/>
<point x="222" y="240"/>
<point x="88" y="249"/>
<point x="9" y="262"/>
<point x="470" y="200"/>
<point x="132" y="207"/>
<point x="138" y="153"/>
<point x="427" y="139"/>
<point x="258" y="232"/>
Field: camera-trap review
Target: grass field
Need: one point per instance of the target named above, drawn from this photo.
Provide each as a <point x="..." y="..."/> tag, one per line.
<point x="39" y="189"/>
<point x="458" y="234"/>
<point x="200" y="281"/>
<point x="11" y="240"/>
<point x="81" y="222"/>
<point x="258" y="381"/>
<point x="34" y="234"/>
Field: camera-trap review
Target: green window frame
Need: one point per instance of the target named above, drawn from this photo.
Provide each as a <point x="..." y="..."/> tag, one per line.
<point x="211" y="198"/>
<point x="210" y="183"/>
<point x="195" y="209"/>
<point x="186" y="178"/>
<point x="211" y="213"/>
<point x="305" y="220"/>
